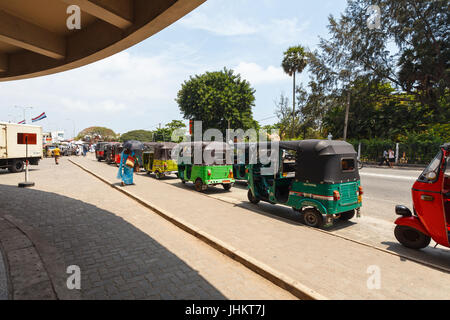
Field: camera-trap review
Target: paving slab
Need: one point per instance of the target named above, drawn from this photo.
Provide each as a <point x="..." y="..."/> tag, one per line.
<point x="123" y="250"/>
<point x="332" y="266"/>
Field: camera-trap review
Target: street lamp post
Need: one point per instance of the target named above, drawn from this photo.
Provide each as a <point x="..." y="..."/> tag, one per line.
<point x="73" y="121"/>
<point x="24" y="109"/>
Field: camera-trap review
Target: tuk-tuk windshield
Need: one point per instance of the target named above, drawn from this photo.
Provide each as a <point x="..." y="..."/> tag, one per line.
<point x="433" y="167"/>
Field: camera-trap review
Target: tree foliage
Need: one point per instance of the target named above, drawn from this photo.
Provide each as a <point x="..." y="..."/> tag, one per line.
<point x="397" y="75"/>
<point x="96" y="133"/>
<point x="215" y="98"/>
<point x="139" y="135"/>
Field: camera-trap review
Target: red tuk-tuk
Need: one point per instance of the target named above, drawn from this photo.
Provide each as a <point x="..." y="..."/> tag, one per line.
<point x="431" y="201"/>
<point x="117" y="150"/>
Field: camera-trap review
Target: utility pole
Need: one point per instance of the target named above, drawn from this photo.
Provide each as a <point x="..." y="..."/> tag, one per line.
<point x="346" y="114"/>
<point x="293" y="107"/>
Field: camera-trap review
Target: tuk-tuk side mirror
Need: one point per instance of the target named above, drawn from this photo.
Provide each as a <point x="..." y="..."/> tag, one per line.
<point x="403" y="211"/>
<point x="430" y="175"/>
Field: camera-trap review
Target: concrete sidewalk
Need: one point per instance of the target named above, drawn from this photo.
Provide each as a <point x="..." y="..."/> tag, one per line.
<point x="123" y="250"/>
<point x="333" y="267"/>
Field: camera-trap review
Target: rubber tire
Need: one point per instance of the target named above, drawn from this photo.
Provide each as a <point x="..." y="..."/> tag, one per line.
<point x="158" y="175"/>
<point x="198" y="185"/>
<point x="17" y="166"/>
<point x="227" y="186"/>
<point x="312" y="218"/>
<point x="347" y="215"/>
<point x="405" y="234"/>
<point x="251" y="198"/>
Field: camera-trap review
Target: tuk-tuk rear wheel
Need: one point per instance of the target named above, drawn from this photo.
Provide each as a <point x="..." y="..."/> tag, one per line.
<point x="251" y="198"/>
<point x="411" y="238"/>
<point x="312" y="217"/>
<point x="347" y="215"/>
<point x="199" y="185"/>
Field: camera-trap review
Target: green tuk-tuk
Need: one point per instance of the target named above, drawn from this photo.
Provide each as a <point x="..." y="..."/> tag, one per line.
<point x="157" y="158"/>
<point x="214" y="170"/>
<point x="317" y="178"/>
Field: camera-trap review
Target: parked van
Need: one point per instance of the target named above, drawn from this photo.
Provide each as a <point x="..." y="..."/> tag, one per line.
<point x="13" y="145"/>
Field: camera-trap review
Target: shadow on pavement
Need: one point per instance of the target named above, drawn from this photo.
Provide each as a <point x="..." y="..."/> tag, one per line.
<point x="117" y="260"/>
<point x="437" y="256"/>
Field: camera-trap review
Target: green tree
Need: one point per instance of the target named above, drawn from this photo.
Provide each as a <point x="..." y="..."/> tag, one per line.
<point x="97" y="133"/>
<point x="419" y="64"/>
<point x="139" y="135"/>
<point x="216" y="98"/>
<point x="294" y="61"/>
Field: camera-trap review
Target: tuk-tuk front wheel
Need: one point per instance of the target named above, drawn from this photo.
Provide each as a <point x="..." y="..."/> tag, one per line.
<point x="252" y="198"/>
<point x="159" y="175"/>
<point x="312" y="217"/>
<point x="347" y="215"/>
<point x="227" y="186"/>
<point x="411" y="238"/>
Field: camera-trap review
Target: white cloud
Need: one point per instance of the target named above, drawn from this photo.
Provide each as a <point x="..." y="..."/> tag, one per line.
<point x="257" y="74"/>
<point x="278" y="31"/>
<point x="220" y="25"/>
<point x="124" y="91"/>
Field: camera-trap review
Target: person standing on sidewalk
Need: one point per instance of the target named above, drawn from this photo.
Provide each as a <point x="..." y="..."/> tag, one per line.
<point x="56" y="154"/>
<point x="126" y="167"/>
<point x="391" y="157"/>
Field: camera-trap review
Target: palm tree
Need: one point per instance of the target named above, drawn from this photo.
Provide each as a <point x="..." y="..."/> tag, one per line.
<point x="294" y="61"/>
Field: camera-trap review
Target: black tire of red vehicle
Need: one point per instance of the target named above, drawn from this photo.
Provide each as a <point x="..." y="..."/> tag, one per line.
<point x="347" y="215"/>
<point x="199" y="185"/>
<point x="251" y="198"/>
<point x="17" y="166"/>
<point x="227" y="186"/>
<point x="312" y="218"/>
<point x="411" y="238"/>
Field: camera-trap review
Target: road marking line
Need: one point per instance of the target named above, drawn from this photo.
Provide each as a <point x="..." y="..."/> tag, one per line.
<point x="410" y="178"/>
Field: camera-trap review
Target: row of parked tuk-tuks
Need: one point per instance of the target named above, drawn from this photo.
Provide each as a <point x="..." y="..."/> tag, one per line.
<point x="319" y="179"/>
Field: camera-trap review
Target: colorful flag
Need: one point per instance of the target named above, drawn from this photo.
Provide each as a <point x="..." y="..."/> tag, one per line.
<point x="21" y="122"/>
<point x="39" y="117"/>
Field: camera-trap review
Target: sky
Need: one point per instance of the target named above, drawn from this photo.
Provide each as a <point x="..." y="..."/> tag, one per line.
<point x="136" y="88"/>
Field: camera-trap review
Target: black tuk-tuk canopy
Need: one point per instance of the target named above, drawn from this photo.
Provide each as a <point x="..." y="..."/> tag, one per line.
<point x="323" y="161"/>
<point x="320" y="161"/>
<point x="219" y="151"/>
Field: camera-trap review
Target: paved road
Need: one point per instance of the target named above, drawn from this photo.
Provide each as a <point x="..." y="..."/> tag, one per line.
<point x="383" y="189"/>
<point x="271" y="234"/>
<point x="124" y="250"/>
<point x="3" y="280"/>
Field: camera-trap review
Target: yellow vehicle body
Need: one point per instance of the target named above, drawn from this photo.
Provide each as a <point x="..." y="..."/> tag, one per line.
<point x="157" y="160"/>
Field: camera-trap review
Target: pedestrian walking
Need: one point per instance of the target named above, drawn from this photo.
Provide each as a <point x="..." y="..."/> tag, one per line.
<point x="127" y="163"/>
<point x="391" y="156"/>
<point x="56" y="154"/>
<point x="385" y="158"/>
<point x="84" y="150"/>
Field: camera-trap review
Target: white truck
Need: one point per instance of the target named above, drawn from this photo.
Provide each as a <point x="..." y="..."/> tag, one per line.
<point x="13" y="145"/>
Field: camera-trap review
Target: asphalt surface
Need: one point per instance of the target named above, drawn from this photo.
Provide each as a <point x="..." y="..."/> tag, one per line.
<point x="3" y="280"/>
<point x="383" y="188"/>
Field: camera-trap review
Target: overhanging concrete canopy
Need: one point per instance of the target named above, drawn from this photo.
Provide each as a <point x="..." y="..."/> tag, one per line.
<point x="35" y="39"/>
